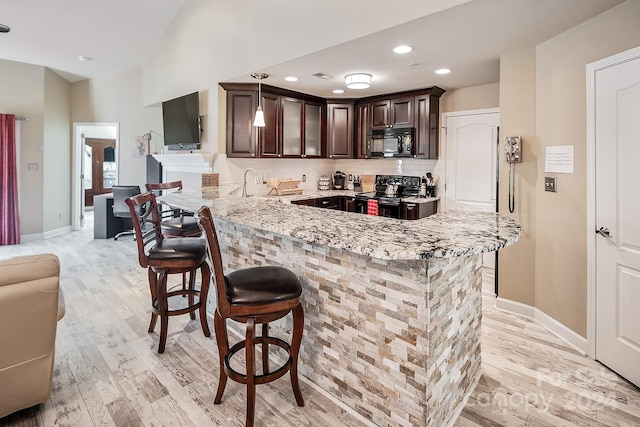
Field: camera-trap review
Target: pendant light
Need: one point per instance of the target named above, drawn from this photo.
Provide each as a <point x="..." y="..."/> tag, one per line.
<point x="259" y="119"/>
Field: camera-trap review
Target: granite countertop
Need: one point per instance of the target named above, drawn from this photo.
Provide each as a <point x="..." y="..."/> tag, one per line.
<point x="447" y="234"/>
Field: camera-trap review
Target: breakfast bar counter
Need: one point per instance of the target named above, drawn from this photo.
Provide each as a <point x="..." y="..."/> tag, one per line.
<point x="392" y="307"/>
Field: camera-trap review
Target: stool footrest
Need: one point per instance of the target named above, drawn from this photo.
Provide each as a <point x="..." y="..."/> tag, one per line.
<point x="265" y="377"/>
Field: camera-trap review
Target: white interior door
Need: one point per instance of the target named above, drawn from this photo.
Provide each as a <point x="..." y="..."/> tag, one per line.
<point x="617" y="151"/>
<point x="470" y="165"/>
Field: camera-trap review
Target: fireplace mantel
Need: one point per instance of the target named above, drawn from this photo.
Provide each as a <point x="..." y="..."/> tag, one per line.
<point x="187" y="167"/>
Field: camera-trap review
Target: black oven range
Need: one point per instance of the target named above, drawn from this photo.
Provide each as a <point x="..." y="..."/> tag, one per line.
<point x="389" y="190"/>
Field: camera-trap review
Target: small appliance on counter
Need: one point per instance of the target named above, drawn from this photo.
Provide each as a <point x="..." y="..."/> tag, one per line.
<point x="357" y="184"/>
<point x="324" y="183"/>
<point x="338" y="180"/>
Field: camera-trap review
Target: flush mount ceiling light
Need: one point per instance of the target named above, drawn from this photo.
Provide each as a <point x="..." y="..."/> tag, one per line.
<point x="358" y="80"/>
<point x="83" y="58"/>
<point x="259" y="119"/>
<point x="338" y="91"/>
<point x="402" y="49"/>
<point x="443" y="71"/>
<point x="4" y="28"/>
<point x="291" y="79"/>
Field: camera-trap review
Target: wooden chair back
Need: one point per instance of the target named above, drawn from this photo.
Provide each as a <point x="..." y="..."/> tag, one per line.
<point x="147" y="226"/>
<point x="205" y="221"/>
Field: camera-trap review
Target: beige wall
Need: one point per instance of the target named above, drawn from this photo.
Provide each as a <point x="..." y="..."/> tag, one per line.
<point x="561" y="238"/>
<point x="22" y="93"/>
<point x="543" y="99"/>
<point x="471" y="98"/>
<point x="118" y="99"/>
<point x="516" y="264"/>
<point x="57" y="153"/>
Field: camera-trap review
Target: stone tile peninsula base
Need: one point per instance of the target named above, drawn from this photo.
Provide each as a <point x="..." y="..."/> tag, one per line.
<point x="396" y="340"/>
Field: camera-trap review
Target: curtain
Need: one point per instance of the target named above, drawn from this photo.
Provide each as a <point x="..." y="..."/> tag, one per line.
<point x="9" y="219"/>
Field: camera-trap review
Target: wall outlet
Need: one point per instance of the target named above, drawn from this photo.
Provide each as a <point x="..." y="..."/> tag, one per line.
<point x="304" y="178"/>
<point x="550" y="184"/>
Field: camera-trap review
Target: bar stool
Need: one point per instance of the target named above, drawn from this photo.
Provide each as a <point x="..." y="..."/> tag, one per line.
<point x="162" y="257"/>
<point x="174" y="222"/>
<point x="256" y="295"/>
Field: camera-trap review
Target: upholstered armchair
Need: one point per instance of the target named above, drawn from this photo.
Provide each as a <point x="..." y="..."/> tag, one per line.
<point x="31" y="303"/>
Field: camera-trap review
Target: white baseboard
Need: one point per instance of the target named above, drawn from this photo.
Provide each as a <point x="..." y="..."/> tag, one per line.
<point x="561" y="331"/>
<point x="24" y="238"/>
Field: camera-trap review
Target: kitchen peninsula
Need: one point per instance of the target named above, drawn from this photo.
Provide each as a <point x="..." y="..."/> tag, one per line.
<point x="392" y="307"/>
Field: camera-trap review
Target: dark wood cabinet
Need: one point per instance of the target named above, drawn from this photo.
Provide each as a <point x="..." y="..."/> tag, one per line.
<point x="395" y="112"/>
<point x="305" y="202"/>
<point x="348" y="204"/>
<point x="379" y="114"/>
<point x="241" y="134"/>
<point x="401" y="112"/>
<point x="427" y="119"/>
<point x="302" y="128"/>
<point x="269" y="139"/>
<point x="362" y="128"/>
<point x="417" y="210"/>
<point x="340" y="130"/>
<point x="334" y="202"/>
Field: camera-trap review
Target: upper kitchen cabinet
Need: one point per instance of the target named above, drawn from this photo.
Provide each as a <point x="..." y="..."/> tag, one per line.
<point x="387" y="113"/>
<point x="294" y="123"/>
<point x="340" y="127"/>
<point x="418" y="108"/>
<point x="241" y="135"/>
<point x="302" y="127"/>
<point x="269" y="135"/>
<point x="427" y="123"/>
<point x="362" y="128"/>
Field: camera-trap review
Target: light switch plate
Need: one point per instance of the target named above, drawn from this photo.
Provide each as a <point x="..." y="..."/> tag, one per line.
<point x="550" y="184"/>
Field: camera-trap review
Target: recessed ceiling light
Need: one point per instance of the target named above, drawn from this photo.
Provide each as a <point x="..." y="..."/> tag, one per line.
<point x="4" y="28"/>
<point x="443" y="71"/>
<point x="83" y="58"/>
<point x="402" y="49"/>
<point x="338" y="91"/>
<point x="291" y="79"/>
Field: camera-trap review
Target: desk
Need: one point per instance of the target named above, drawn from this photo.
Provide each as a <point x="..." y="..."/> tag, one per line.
<point x="105" y="225"/>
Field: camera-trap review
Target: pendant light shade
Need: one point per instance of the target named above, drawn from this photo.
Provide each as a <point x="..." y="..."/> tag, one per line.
<point x="258" y="121"/>
<point x="358" y="80"/>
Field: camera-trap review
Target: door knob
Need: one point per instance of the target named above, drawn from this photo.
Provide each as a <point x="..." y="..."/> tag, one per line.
<point x="604" y="232"/>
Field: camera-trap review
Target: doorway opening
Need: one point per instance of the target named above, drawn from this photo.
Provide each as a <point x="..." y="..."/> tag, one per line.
<point x="92" y="142"/>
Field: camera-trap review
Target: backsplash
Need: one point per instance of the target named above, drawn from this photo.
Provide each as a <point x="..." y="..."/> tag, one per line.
<point x="232" y="170"/>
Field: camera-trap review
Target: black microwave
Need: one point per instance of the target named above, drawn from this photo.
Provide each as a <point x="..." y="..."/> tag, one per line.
<point x="390" y="142"/>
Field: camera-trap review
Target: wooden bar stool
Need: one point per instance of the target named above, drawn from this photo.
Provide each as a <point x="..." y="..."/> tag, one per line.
<point x="169" y="256"/>
<point x="256" y="295"/>
<point x="174" y="222"/>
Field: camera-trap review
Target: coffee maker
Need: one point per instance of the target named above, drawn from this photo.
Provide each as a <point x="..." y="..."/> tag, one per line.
<point x="338" y="180"/>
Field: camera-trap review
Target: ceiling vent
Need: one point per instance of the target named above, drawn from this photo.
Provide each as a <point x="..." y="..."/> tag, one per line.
<point x="323" y="76"/>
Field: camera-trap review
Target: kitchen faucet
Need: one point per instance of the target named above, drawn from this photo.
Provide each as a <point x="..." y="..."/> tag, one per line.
<point x="244" y="182"/>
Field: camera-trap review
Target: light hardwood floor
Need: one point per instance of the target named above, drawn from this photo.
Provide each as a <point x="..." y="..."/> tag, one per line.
<point x="108" y="373"/>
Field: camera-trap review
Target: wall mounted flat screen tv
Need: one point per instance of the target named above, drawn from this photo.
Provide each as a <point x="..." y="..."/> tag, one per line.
<point x="181" y="122"/>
